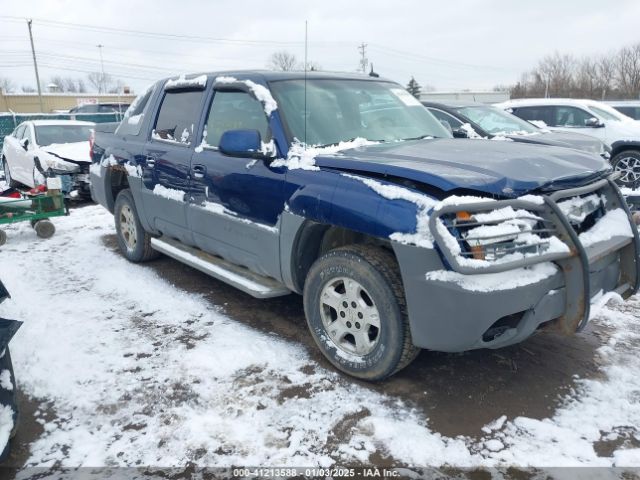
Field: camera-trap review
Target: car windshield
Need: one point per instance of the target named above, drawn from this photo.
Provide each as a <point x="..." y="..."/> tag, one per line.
<point x="48" y="134"/>
<point x="607" y="113"/>
<point x="496" y="121"/>
<point x="342" y="110"/>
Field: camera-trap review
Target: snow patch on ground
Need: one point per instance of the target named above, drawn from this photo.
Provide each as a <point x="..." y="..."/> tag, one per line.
<point x="147" y="374"/>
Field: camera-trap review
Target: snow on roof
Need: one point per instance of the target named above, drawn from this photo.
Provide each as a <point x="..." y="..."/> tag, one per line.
<point x="550" y="101"/>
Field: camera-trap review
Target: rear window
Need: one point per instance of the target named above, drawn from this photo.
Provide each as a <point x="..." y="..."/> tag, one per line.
<point x="49" y="134"/>
<point x="132" y="121"/>
<point x="178" y="115"/>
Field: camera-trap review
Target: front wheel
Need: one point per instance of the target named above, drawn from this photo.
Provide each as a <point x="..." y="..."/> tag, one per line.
<point x="133" y="240"/>
<point x="356" y="311"/>
<point x="628" y="164"/>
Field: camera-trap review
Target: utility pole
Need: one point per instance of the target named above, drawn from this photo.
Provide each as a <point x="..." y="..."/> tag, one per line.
<point x="102" y="79"/>
<point x="35" y="66"/>
<point x="364" y="61"/>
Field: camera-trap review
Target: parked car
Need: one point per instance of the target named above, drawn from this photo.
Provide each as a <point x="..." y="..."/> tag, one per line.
<point x="40" y="148"/>
<point x="100" y="108"/>
<point x="490" y="122"/>
<point x="630" y="108"/>
<point x="346" y="190"/>
<point x="593" y="118"/>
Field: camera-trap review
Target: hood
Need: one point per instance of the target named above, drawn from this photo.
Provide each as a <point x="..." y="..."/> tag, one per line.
<point x="562" y="139"/>
<point x="77" y="152"/>
<point x="505" y="169"/>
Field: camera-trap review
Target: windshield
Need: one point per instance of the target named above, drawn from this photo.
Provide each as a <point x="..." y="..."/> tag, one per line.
<point x="606" y="114"/>
<point x="341" y="110"/>
<point x="496" y="121"/>
<point x="48" y="134"/>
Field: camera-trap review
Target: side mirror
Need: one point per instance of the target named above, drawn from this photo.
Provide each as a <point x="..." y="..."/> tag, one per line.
<point x="24" y="143"/>
<point x="459" y="133"/>
<point x="242" y="143"/>
<point x="593" y="122"/>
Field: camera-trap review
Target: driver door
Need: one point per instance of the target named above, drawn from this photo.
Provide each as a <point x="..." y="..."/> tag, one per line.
<point x="236" y="202"/>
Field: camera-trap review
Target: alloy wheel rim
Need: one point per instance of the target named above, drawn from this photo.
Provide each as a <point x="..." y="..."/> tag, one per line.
<point x="128" y="227"/>
<point x="350" y="316"/>
<point x="629" y="167"/>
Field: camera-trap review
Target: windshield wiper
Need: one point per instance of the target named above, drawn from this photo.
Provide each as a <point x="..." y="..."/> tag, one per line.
<point x="421" y="137"/>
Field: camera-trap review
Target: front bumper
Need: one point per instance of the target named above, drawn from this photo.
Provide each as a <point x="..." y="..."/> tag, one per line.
<point x="447" y="315"/>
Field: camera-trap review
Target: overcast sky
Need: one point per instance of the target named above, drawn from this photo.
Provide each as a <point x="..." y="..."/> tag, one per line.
<point x="452" y="45"/>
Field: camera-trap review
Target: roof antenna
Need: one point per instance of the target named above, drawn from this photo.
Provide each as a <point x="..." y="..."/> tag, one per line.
<point x="372" y="73"/>
<point x="305" y="84"/>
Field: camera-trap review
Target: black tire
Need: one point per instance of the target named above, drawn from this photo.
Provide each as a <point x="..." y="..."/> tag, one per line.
<point x="378" y="281"/>
<point x="3" y="237"/>
<point x="44" y="228"/>
<point x="134" y="242"/>
<point x="7" y="174"/>
<point x="627" y="162"/>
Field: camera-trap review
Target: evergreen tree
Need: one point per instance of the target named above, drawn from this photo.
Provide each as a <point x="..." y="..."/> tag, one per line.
<point x="414" y="88"/>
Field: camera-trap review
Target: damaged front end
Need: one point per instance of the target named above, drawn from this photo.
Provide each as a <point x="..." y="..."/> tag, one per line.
<point x="73" y="174"/>
<point x="587" y="232"/>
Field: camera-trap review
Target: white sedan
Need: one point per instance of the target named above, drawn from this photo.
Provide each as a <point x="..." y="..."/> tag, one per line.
<point x="40" y="148"/>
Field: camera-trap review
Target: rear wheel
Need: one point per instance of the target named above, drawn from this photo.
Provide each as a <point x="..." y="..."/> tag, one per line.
<point x="7" y="174"/>
<point x="133" y="240"/>
<point x="628" y="164"/>
<point x="356" y="311"/>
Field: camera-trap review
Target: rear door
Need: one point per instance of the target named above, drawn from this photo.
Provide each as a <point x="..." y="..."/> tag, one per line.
<point x="166" y="162"/>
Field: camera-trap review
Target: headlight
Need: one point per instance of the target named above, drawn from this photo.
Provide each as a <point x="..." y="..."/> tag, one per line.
<point x="489" y="237"/>
<point x="61" y="167"/>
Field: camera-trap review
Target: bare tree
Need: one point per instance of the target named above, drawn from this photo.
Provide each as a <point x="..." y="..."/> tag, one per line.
<point x="6" y="85"/>
<point x="101" y="82"/>
<point x="27" y="89"/>
<point x="283" y="60"/>
<point x="628" y="70"/>
<point x="117" y="87"/>
<point x="606" y="73"/>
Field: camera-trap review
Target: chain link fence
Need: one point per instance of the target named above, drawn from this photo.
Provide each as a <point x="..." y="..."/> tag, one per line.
<point x="9" y="121"/>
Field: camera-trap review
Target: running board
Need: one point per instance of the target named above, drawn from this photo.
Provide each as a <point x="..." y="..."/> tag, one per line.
<point x="242" y="278"/>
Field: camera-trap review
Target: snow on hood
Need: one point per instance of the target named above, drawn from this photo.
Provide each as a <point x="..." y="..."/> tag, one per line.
<point x="508" y="169"/>
<point x="75" y="152"/>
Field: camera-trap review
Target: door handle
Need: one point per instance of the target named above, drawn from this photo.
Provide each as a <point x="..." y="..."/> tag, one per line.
<point x="199" y="171"/>
<point x="151" y="162"/>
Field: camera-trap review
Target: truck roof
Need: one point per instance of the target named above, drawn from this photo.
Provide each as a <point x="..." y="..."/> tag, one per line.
<point x="270" y="75"/>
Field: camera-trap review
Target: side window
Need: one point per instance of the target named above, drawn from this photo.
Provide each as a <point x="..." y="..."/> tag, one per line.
<point x="178" y="115"/>
<point x="542" y="113"/>
<point x="133" y="116"/>
<point x="453" y="122"/>
<point x="235" y="111"/>
<point x="571" y="117"/>
<point x="19" y="131"/>
<point x="29" y="135"/>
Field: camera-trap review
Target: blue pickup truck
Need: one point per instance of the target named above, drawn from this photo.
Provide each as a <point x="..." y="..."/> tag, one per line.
<point x="346" y="190"/>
